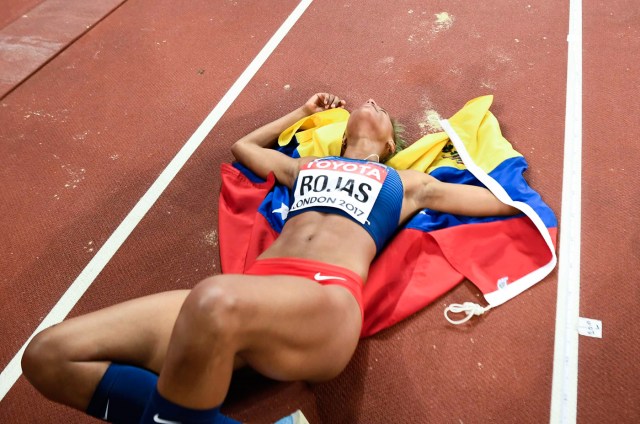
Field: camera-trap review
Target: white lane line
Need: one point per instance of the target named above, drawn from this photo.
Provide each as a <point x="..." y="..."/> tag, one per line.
<point x="12" y="372"/>
<point x="564" y="391"/>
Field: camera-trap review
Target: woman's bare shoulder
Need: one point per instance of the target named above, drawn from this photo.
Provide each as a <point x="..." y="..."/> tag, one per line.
<point x="412" y="178"/>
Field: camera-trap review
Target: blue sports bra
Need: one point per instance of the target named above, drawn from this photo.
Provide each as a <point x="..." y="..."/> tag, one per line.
<point x="369" y="193"/>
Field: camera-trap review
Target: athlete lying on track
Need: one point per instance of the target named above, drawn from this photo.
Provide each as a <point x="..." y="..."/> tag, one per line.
<point x="295" y="315"/>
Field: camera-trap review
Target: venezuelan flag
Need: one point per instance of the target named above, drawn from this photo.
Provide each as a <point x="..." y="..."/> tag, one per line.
<point x="433" y="252"/>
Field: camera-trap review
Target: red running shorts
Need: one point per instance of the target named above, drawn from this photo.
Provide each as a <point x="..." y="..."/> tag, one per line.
<point x="319" y="272"/>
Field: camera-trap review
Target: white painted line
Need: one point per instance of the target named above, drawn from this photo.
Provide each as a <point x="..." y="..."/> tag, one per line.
<point x="12" y="372"/>
<point x="564" y="392"/>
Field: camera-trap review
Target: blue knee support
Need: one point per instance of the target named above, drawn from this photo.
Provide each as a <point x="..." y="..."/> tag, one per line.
<point x="161" y="410"/>
<point x="122" y="394"/>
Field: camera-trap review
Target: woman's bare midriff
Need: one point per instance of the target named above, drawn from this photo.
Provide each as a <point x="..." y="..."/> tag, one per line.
<point x="328" y="238"/>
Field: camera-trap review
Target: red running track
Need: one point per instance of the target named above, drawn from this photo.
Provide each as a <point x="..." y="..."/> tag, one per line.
<point x="90" y="129"/>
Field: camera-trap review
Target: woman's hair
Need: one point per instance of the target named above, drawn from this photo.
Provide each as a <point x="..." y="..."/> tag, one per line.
<point x="398" y="138"/>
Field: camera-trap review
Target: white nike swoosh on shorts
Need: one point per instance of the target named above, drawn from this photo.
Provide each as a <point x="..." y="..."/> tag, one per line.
<point x="106" y="411"/>
<point x="157" y="419"/>
<point x="320" y="277"/>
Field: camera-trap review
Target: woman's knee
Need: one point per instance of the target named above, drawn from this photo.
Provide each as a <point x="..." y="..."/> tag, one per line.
<point x="44" y="356"/>
<point x="215" y="307"/>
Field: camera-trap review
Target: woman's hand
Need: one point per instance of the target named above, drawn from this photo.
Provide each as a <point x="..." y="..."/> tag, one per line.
<point x="322" y="101"/>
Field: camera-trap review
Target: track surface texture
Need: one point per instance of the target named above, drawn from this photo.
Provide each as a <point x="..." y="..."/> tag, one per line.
<point x="86" y="129"/>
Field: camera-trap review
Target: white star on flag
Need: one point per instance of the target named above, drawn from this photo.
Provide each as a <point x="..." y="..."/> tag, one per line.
<point x="283" y="210"/>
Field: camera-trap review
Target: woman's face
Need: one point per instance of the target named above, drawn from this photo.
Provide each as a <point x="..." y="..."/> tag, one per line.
<point x="370" y="121"/>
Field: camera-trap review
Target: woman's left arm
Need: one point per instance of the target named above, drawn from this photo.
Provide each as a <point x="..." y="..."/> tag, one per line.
<point x="424" y="191"/>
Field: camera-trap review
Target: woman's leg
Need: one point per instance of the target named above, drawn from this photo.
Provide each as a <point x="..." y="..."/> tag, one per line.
<point x="287" y="328"/>
<point x="67" y="361"/>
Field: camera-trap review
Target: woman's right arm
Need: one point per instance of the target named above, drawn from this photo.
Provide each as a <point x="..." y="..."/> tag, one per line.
<point x="254" y="150"/>
<point x="424" y="191"/>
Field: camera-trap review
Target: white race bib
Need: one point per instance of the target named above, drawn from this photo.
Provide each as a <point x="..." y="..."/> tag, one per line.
<point x="352" y="187"/>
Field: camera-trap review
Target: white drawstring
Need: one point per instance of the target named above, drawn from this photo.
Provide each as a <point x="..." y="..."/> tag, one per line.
<point x="469" y="308"/>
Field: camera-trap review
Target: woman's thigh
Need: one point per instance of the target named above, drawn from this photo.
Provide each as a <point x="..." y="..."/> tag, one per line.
<point x="294" y="328"/>
<point x="135" y="332"/>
